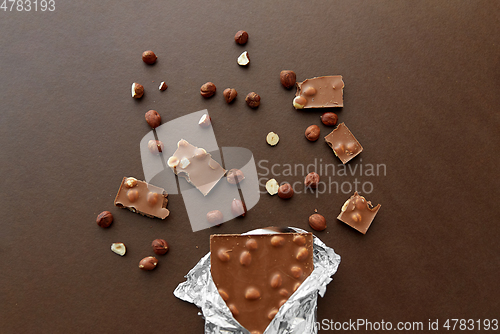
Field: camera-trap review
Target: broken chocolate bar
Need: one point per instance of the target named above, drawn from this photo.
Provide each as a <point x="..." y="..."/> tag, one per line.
<point x="255" y="274"/>
<point x="358" y="213"/>
<point x="343" y="143"/>
<point x="196" y="166"/>
<point x="320" y="92"/>
<point x="141" y="197"/>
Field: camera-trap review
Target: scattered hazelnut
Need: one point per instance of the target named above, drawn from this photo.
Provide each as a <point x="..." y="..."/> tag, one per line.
<point x="118" y="248"/>
<point x="253" y="100"/>
<point x="243" y="59"/>
<point x="208" y="89"/>
<point x="312" y="133"/>
<point x="215" y="217"/>
<point x="272" y="187"/>
<point x="163" y="86"/>
<point x="238" y="208"/>
<point x="148" y="263"/>
<point x="299" y="102"/>
<point x="153" y="118"/>
<point x="235" y="176"/>
<point x="130" y="182"/>
<point x="312" y="180"/>
<point x="317" y="222"/>
<point x="329" y="118"/>
<point x="241" y="37"/>
<point x="272" y="138"/>
<point x="149" y="57"/>
<point x="160" y="246"/>
<point x="137" y="90"/>
<point x="230" y="94"/>
<point x="205" y="121"/>
<point x="155" y="146"/>
<point x="285" y="191"/>
<point x="288" y="79"/>
<point x="104" y="219"/>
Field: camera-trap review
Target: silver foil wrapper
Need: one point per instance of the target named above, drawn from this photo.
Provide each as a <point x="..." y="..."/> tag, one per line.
<point x="297" y="315"/>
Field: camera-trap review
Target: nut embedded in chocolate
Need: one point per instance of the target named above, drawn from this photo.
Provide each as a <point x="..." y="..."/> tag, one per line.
<point x="230" y="94"/>
<point x="160" y="246"/>
<point x="149" y="57"/>
<point x="238" y="208"/>
<point x="155" y="146"/>
<point x="317" y="222"/>
<point x="148" y="263"/>
<point x="208" y="89"/>
<point x="299" y="102"/>
<point x="312" y="180"/>
<point x="104" y="219"/>
<point x="153" y="118"/>
<point x="285" y="191"/>
<point x="241" y="37"/>
<point x="288" y="79"/>
<point x="329" y="118"/>
<point x="137" y="90"/>
<point x="312" y="133"/>
<point x="253" y="100"/>
<point x="215" y="217"/>
<point x="235" y="176"/>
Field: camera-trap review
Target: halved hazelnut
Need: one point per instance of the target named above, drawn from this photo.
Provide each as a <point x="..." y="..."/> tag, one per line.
<point x="272" y="187"/>
<point x="272" y="138"/>
<point x="243" y="59"/>
<point x="118" y="248"/>
<point x="299" y="102"/>
<point x="130" y="182"/>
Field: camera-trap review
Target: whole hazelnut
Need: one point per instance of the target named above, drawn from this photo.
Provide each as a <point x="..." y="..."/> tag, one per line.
<point x="253" y="100"/>
<point x="329" y="118"/>
<point x="149" y="57"/>
<point x="285" y="191"/>
<point x="235" y="176"/>
<point x="104" y="219"/>
<point x="230" y="94"/>
<point x="208" y="89"/>
<point x="215" y="217"/>
<point x="241" y="37"/>
<point x="160" y="246"/>
<point x="148" y="263"/>
<point x="317" y="222"/>
<point x="288" y="78"/>
<point x="153" y="118"/>
<point x="155" y="146"/>
<point x="312" y="180"/>
<point x="137" y="90"/>
<point x="312" y="133"/>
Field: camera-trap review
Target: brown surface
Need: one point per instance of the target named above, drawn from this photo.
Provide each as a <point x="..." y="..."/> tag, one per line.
<point x="421" y="95"/>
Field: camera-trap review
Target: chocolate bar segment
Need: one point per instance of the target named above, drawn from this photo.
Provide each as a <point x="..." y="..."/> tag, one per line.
<point x="343" y="143"/>
<point x="255" y="274"/>
<point x="358" y="213"/>
<point x="143" y="198"/>
<point x="320" y="92"/>
<point x="196" y="166"/>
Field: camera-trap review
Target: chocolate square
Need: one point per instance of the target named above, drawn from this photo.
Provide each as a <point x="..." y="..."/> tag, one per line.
<point x="343" y="143"/>
<point x="358" y="213"/>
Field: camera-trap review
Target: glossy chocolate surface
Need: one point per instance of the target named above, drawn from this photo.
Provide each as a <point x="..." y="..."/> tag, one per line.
<point x="358" y="213"/>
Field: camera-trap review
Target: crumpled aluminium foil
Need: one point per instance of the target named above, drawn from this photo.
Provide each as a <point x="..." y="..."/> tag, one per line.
<point x="297" y="315"/>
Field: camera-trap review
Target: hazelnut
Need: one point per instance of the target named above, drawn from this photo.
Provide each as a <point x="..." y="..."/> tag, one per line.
<point x="251" y="244"/>
<point x="312" y="180"/>
<point x="223" y="255"/>
<point x="132" y="195"/>
<point x="272" y="313"/>
<point x="230" y="94"/>
<point x="130" y="182"/>
<point x="252" y="294"/>
<point x="153" y="118"/>
<point x="155" y="146"/>
<point x="317" y="222"/>
<point x="205" y="121"/>
<point x="299" y="240"/>
<point x="238" y="208"/>
<point x="160" y="246"/>
<point x="310" y="91"/>
<point x="241" y="37"/>
<point x="244" y="59"/>
<point x="149" y="57"/>
<point x="104" y="219"/>
<point x="152" y="198"/>
<point x="302" y="254"/>
<point x="215" y="217"/>
<point x="233" y="310"/>
<point x="296" y="271"/>
<point x="163" y="86"/>
<point x="299" y="102"/>
<point x="288" y="79"/>
<point x="208" y="89"/>
<point x="285" y="191"/>
<point x="235" y="176"/>
<point x="312" y="133"/>
<point x="119" y="248"/>
<point x="245" y="258"/>
<point x="272" y="187"/>
<point x="253" y="100"/>
<point x="276" y="281"/>
<point x="277" y="241"/>
<point x="148" y="263"/>
<point x="137" y="90"/>
<point x="272" y="139"/>
<point x="223" y="294"/>
<point x="329" y="118"/>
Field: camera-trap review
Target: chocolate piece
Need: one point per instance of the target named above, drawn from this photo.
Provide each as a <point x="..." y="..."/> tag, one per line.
<point x="141" y="197"/>
<point x="196" y="166"/>
<point x="343" y="143"/>
<point x="255" y="274"/>
<point x="358" y="213"/>
<point x="320" y="92"/>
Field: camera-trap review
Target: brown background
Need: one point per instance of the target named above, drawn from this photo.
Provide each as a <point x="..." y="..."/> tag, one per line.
<point x="422" y="80"/>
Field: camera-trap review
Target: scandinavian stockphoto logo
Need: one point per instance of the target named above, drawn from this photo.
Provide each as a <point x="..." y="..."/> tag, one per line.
<point x="220" y="197"/>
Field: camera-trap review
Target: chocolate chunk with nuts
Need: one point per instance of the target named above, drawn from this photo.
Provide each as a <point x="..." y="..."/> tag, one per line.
<point x="208" y="90"/>
<point x="160" y="246"/>
<point x="320" y="92"/>
<point x="312" y="180"/>
<point x="343" y="143"/>
<point x="253" y="100"/>
<point x="104" y="219"/>
<point x="358" y="213"/>
<point x="153" y="118"/>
